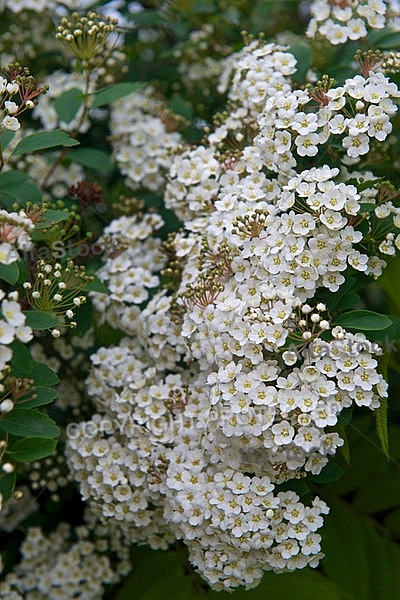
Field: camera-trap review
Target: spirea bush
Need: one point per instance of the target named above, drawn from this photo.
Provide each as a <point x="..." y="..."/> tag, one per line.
<point x="199" y="299"/>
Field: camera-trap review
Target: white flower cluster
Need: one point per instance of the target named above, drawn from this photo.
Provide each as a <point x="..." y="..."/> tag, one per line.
<point x="151" y="461"/>
<point x="8" y="93"/>
<point x="342" y="20"/>
<point x="241" y="374"/>
<point x="133" y="259"/>
<point x="298" y="122"/>
<point x="15" y="230"/>
<point x="67" y="563"/>
<point x="258" y="71"/>
<point x="144" y="137"/>
<point x="12" y="327"/>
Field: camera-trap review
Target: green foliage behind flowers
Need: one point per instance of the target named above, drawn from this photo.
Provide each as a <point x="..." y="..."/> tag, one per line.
<point x="199" y="314"/>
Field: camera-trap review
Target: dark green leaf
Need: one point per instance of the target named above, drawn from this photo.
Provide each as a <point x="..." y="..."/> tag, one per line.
<point x="7" y="484"/>
<point x="348" y="301"/>
<point x="96" y="286"/>
<point x="382" y="425"/>
<point x="68" y="104"/>
<point x="6" y="136"/>
<point x="363" y="320"/>
<point x="392" y="522"/>
<point x="182" y="107"/>
<point x="298" y="486"/>
<point x="92" y="158"/>
<point x="357" y="557"/>
<point x="384" y="39"/>
<point x="390" y="281"/>
<point x="10" y="178"/>
<point x="331" y="472"/>
<point x="18" y="186"/>
<point x="161" y="576"/>
<point x="26" y="422"/>
<point x="43" y="375"/>
<point x="302" y="51"/>
<point x="21" y="358"/>
<point x="31" y="449"/>
<point x="9" y="273"/>
<point x="113" y="92"/>
<point x="43" y="140"/>
<point x="43" y="395"/>
<point x="38" y="319"/>
<point x="380" y="492"/>
<point x="51" y="217"/>
<point x="352" y="574"/>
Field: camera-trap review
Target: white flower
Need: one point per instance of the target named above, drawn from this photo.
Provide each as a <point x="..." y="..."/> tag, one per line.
<point x="24" y="333"/>
<point x="12" y="312"/>
<point x="283" y="433"/>
<point x="10" y="123"/>
<point x="6" y="332"/>
<point x="356" y="145"/>
<point x="8" y="253"/>
<point x="307" y="144"/>
<point x="11" y="107"/>
<point x="12" y="88"/>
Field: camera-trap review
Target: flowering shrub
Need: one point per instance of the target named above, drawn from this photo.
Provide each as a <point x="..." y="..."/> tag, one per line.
<point x="199" y="299"/>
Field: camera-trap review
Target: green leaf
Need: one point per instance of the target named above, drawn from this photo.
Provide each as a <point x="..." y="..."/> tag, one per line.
<point x="363" y="320"/>
<point x="42" y="140"/>
<point x="6" y="136"/>
<point x="10" y="178"/>
<point x="382" y="426"/>
<point x="43" y="375"/>
<point x="380" y="493"/>
<point x="38" y="319"/>
<point x="18" y="186"/>
<point x="384" y="39"/>
<point x="7" y="484"/>
<point x="21" y="358"/>
<point x="390" y="281"/>
<point x="161" y="576"/>
<point x="96" y="286"/>
<point x="392" y="522"/>
<point x="345" y="449"/>
<point x="182" y="107"/>
<point x="331" y="472"/>
<point x="367" y="457"/>
<point x="302" y="52"/>
<point x="9" y="273"/>
<point x="348" y="301"/>
<point x="92" y="158"/>
<point x="51" y="217"/>
<point x="113" y="92"/>
<point x="43" y="395"/>
<point x="357" y="557"/>
<point x="31" y="449"/>
<point x="68" y="104"/>
<point x="26" y="422"/>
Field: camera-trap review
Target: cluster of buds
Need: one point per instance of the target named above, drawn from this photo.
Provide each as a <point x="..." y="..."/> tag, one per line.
<point x="369" y="60"/>
<point x="57" y="290"/>
<point x="391" y="62"/>
<point x="18" y="92"/>
<point x="310" y="325"/>
<point x="87" y="37"/>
